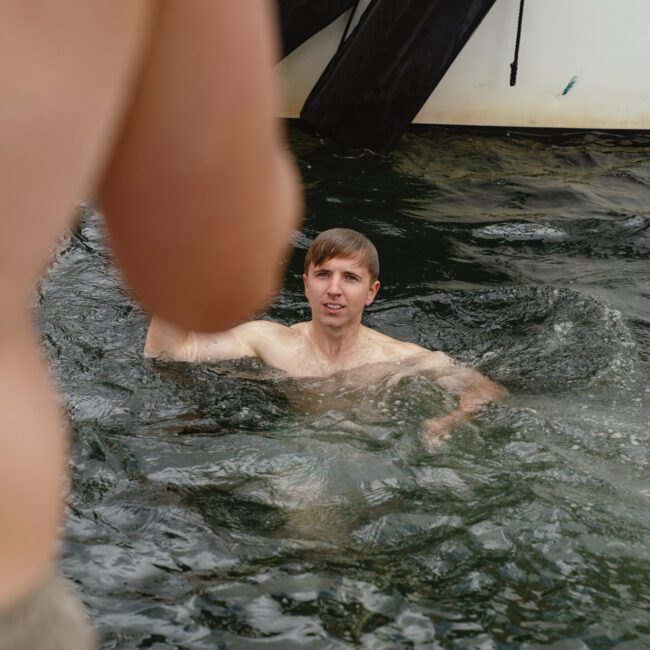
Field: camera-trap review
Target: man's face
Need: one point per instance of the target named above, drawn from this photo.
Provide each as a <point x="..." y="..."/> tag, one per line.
<point x="338" y="290"/>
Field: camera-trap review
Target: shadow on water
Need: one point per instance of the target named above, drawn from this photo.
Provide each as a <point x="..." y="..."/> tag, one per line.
<point x="230" y="506"/>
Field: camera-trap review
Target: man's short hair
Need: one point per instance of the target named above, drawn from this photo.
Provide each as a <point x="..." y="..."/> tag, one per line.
<point x="343" y="242"/>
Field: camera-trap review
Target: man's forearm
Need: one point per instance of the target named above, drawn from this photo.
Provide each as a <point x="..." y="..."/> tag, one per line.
<point x="485" y="392"/>
<point x="482" y="392"/>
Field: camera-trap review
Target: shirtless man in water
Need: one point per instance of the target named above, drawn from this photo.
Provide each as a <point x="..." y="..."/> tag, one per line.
<point x="164" y="110"/>
<point x="340" y="279"/>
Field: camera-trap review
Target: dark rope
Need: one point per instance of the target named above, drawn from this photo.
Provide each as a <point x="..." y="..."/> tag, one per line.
<point x="515" y="63"/>
<point x="347" y="27"/>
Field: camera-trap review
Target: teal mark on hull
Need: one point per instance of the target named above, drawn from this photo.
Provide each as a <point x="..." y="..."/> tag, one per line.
<point x="570" y="85"/>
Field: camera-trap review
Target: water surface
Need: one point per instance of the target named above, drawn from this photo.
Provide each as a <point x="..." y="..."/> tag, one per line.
<point x="226" y="507"/>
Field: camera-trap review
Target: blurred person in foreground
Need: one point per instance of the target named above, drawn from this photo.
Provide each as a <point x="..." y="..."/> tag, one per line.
<point x="341" y="272"/>
<point x="164" y="111"/>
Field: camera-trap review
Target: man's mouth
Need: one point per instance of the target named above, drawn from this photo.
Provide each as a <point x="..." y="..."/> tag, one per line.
<point x="333" y="306"/>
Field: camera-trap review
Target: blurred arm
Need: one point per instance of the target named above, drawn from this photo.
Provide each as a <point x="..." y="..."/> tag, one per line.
<point x="200" y="195"/>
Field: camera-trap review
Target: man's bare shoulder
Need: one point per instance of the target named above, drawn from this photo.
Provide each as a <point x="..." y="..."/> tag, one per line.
<point x="395" y="350"/>
<point x="266" y="331"/>
<point x="264" y="327"/>
<point x="275" y="344"/>
<point x="300" y="328"/>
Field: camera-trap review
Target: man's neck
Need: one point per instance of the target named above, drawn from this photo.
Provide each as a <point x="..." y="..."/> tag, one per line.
<point x="334" y="344"/>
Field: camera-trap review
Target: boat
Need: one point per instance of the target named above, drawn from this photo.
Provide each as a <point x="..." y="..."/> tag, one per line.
<point x="361" y="71"/>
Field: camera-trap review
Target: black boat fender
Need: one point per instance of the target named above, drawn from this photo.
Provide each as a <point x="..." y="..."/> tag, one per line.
<point x="388" y="67"/>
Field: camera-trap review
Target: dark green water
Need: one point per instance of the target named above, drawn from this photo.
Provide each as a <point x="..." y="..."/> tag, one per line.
<point x="229" y="508"/>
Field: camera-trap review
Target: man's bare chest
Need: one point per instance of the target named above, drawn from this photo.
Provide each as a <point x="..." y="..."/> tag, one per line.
<point x="302" y="360"/>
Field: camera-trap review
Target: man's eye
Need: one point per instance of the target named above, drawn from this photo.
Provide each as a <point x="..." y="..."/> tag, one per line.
<point x="352" y="277"/>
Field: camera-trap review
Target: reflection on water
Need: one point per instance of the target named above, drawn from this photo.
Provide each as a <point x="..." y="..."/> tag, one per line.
<point x="231" y="506"/>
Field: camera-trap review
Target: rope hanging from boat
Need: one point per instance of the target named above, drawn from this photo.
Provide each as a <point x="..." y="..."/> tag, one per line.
<point x="347" y="27"/>
<point x="515" y="63"/>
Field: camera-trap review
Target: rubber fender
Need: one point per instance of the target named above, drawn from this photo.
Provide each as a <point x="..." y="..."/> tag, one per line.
<point x="388" y="67"/>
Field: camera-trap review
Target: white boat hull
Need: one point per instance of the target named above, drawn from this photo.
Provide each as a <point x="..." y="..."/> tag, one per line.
<point x="583" y="64"/>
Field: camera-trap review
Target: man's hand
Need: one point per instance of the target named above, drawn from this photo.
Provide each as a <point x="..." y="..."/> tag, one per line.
<point x="474" y="390"/>
<point x="435" y="431"/>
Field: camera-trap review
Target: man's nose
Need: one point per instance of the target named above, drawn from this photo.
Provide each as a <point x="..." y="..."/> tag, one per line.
<point x="333" y="286"/>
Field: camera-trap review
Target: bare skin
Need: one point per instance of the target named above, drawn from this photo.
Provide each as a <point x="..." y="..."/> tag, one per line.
<point x="334" y="340"/>
<point x="164" y="110"/>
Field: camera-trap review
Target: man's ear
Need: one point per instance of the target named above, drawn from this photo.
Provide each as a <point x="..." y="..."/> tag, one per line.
<point x="304" y="281"/>
<point x="372" y="292"/>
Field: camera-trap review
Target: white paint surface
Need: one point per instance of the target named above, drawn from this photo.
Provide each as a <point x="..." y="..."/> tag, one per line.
<point x="604" y="44"/>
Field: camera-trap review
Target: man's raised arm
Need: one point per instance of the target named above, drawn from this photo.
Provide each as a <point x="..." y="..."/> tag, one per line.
<point x="172" y="343"/>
